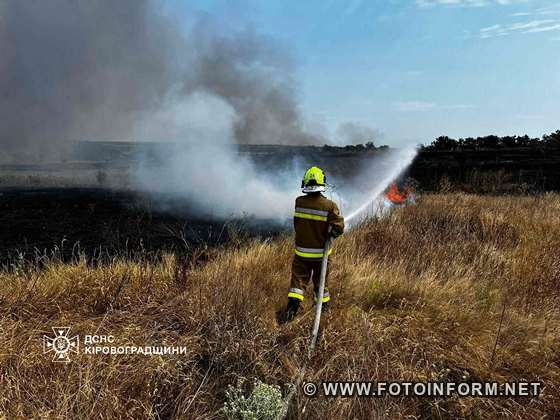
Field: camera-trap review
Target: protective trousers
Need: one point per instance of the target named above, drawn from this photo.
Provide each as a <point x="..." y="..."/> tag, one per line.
<point x="303" y="270"/>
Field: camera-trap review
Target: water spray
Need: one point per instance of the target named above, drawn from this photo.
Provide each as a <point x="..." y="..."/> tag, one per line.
<point x="398" y="162"/>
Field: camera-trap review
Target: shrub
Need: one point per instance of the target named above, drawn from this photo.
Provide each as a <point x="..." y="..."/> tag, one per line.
<point x="265" y="402"/>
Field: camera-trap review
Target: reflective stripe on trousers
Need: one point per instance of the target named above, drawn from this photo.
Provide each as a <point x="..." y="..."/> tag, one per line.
<point x="298" y="294"/>
<point x="295" y="293"/>
<point x="326" y="297"/>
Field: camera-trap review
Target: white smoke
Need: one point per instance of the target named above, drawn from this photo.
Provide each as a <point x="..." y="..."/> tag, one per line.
<point x="205" y="168"/>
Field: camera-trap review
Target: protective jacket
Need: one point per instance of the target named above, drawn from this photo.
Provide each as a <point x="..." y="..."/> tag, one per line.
<point x="313" y="215"/>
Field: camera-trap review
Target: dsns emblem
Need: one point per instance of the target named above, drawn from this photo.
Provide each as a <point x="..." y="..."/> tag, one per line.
<point x="61" y="344"/>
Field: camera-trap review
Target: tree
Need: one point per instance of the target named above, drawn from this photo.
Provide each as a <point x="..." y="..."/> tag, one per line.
<point x="490" y="142"/>
<point x="444" y="143"/>
<point x="494" y="142"/>
<point x="552" y="139"/>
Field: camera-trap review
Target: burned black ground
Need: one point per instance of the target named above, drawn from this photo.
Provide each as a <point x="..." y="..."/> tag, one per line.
<point x="98" y="221"/>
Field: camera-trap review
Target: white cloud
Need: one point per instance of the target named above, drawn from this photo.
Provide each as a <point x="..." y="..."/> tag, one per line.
<point x="422" y="106"/>
<point x="459" y="106"/>
<point x="414" y="106"/>
<point x="541" y="11"/>
<point x="491" y="28"/>
<point x="552" y="10"/>
<point x="554" y="27"/>
<point x="529" y="27"/>
<point x="466" y="3"/>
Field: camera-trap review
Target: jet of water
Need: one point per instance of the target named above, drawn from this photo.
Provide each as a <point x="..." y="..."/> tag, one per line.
<point x="394" y="165"/>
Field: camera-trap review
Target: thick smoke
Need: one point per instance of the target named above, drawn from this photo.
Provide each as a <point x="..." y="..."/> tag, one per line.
<point x="95" y="69"/>
<point x="203" y="166"/>
<point x="124" y="70"/>
<point x="253" y="74"/>
<point x="84" y="69"/>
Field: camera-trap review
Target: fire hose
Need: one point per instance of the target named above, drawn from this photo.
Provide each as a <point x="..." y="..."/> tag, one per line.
<point x="314" y="331"/>
<point x="321" y="292"/>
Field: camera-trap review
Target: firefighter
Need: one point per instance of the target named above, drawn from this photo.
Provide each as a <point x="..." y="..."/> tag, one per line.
<point x="315" y="218"/>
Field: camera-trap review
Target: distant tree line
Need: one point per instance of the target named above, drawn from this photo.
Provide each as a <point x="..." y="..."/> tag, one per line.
<point x="494" y="142"/>
<point x="355" y="147"/>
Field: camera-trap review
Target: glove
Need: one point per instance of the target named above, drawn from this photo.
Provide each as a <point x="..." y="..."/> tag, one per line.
<point x="334" y="233"/>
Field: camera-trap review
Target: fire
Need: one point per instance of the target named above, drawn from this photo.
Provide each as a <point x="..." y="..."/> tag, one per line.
<point x="397" y="196"/>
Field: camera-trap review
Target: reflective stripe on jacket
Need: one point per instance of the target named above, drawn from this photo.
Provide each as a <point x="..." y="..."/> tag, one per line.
<point x="310" y="252"/>
<point x="314" y="213"/>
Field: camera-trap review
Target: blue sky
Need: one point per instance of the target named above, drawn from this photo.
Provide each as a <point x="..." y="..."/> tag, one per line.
<point x="416" y="69"/>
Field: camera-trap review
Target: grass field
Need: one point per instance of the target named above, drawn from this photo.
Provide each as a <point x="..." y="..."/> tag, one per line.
<point x="457" y="288"/>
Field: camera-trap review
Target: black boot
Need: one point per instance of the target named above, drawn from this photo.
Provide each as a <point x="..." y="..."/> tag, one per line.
<point x="290" y="312"/>
<point x="326" y="305"/>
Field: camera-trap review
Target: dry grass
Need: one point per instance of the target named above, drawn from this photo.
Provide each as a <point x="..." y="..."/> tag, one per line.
<point x="419" y="296"/>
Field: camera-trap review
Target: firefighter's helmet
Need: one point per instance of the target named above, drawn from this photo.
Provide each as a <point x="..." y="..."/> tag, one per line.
<point x="314" y="180"/>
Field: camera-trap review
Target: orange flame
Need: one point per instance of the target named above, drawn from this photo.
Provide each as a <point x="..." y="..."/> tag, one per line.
<point x="395" y="196"/>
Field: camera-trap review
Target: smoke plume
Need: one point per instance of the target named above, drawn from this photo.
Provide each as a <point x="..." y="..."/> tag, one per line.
<point x="355" y="133"/>
<point x="74" y="70"/>
<point x="125" y="70"/>
<point x="95" y="69"/>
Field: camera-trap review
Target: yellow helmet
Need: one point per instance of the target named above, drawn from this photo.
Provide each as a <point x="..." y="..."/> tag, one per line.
<point x="314" y="180"/>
